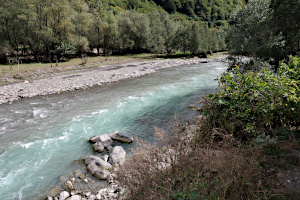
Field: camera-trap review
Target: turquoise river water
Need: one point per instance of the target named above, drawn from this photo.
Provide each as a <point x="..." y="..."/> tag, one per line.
<point x="41" y="137"/>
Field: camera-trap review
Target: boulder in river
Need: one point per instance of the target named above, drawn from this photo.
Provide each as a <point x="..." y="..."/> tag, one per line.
<point x="98" y="161"/>
<point x="98" y="146"/>
<point x="104" y="139"/>
<point x="117" y="155"/>
<point x="121" y="137"/>
<point x="92" y="168"/>
<point x="102" y="174"/>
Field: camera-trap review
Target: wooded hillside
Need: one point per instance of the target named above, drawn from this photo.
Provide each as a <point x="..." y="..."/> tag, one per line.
<point x="49" y="29"/>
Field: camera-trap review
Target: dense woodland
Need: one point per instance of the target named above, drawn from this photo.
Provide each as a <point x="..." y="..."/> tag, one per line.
<point x="50" y="29"/>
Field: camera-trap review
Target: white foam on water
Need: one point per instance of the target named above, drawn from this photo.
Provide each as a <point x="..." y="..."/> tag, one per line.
<point x="38" y="164"/>
<point x="78" y="118"/>
<point x="34" y="103"/>
<point x="120" y="104"/>
<point x="20" y="193"/>
<point x="132" y="97"/>
<point x="40" y="112"/>
<point x="46" y="142"/>
<point x="27" y="145"/>
<point x="19" y="112"/>
<point x="50" y="141"/>
<point x="99" y="112"/>
<point x="13" y="176"/>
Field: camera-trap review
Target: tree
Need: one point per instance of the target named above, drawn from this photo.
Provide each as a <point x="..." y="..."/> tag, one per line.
<point x="266" y="29"/>
<point x="98" y="10"/>
<point x="286" y="17"/>
<point x="250" y="33"/>
<point x="195" y="40"/>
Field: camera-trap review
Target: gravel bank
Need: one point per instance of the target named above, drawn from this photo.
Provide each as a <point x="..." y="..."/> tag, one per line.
<point x="85" y="79"/>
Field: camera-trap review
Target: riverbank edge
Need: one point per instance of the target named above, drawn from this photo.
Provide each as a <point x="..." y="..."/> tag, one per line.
<point x="98" y="76"/>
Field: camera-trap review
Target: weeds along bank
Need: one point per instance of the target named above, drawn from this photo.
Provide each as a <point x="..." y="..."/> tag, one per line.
<point x="245" y="146"/>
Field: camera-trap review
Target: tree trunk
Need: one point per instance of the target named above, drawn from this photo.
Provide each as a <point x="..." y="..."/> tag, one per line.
<point x="34" y="52"/>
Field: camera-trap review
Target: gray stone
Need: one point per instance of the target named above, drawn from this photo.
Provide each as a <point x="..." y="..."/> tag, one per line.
<point x="75" y="197"/>
<point x="85" y="180"/>
<point x="102" y="174"/>
<point x="72" y="180"/>
<point x="88" y="194"/>
<point x="64" y="195"/>
<point x="121" y="137"/>
<point x="105" y="139"/>
<point x="78" y="173"/>
<point x="92" y="197"/>
<point x="105" y="157"/>
<point x="68" y="186"/>
<point x="92" y="168"/>
<point x="117" y="155"/>
<point x="98" y="161"/>
<point x="98" y="146"/>
<point x="110" y="179"/>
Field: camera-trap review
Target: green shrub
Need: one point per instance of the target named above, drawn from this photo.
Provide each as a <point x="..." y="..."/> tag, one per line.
<point x="253" y="103"/>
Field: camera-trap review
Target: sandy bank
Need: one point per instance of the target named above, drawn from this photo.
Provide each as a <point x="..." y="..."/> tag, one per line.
<point x="100" y="75"/>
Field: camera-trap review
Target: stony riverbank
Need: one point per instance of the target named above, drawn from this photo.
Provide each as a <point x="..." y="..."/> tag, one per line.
<point x="98" y="179"/>
<point x="104" y="74"/>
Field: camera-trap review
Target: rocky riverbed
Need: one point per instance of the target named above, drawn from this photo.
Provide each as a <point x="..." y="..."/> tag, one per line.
<point x="104" y="74"/>
<point x="98" y="179"/>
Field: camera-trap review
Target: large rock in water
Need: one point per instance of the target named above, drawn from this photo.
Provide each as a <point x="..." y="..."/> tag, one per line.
<point x="98" y="167"/>
<point x="98" y="146"/>
<point x="104" y="139"/>
<point x="117" y="155"/>
<point x="92" y="168"/>
<point x="98" y="161"/>
<point x="121" y="137"/>
<point x="102" y="174"/>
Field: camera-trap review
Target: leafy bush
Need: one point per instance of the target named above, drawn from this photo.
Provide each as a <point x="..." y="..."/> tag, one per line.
<point x="292" y="69"/>
<point x="253" y="103"/>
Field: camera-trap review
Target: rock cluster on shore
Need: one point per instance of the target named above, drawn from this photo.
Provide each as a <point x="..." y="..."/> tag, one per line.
<point x="85" y="79"/>
<point x="102" y="167"/>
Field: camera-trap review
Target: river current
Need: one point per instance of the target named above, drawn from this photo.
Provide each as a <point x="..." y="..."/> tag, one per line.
<point x="41" y="137"/>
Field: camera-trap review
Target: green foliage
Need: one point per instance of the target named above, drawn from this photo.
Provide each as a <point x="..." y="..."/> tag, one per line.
<point x="292" y="69"/>
<point x="65" y="49"/>
<point x="252" y="103"/>
<point x="204" y="10"/>
<point x="115" y="26"/>
<point x="265" y="29"/>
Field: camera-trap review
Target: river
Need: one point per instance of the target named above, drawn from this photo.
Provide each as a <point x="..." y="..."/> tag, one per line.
<point x="41" y="137"/>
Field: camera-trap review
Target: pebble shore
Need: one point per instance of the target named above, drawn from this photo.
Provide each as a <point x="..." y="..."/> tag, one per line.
<point x="98" y="76"/>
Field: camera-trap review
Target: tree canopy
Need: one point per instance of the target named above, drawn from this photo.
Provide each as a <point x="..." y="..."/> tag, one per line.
<point x="266" y="29"/>
<point x="49" y="28"/>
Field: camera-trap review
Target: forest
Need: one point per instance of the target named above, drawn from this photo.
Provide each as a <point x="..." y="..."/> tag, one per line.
<point x="52" y="29"/>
